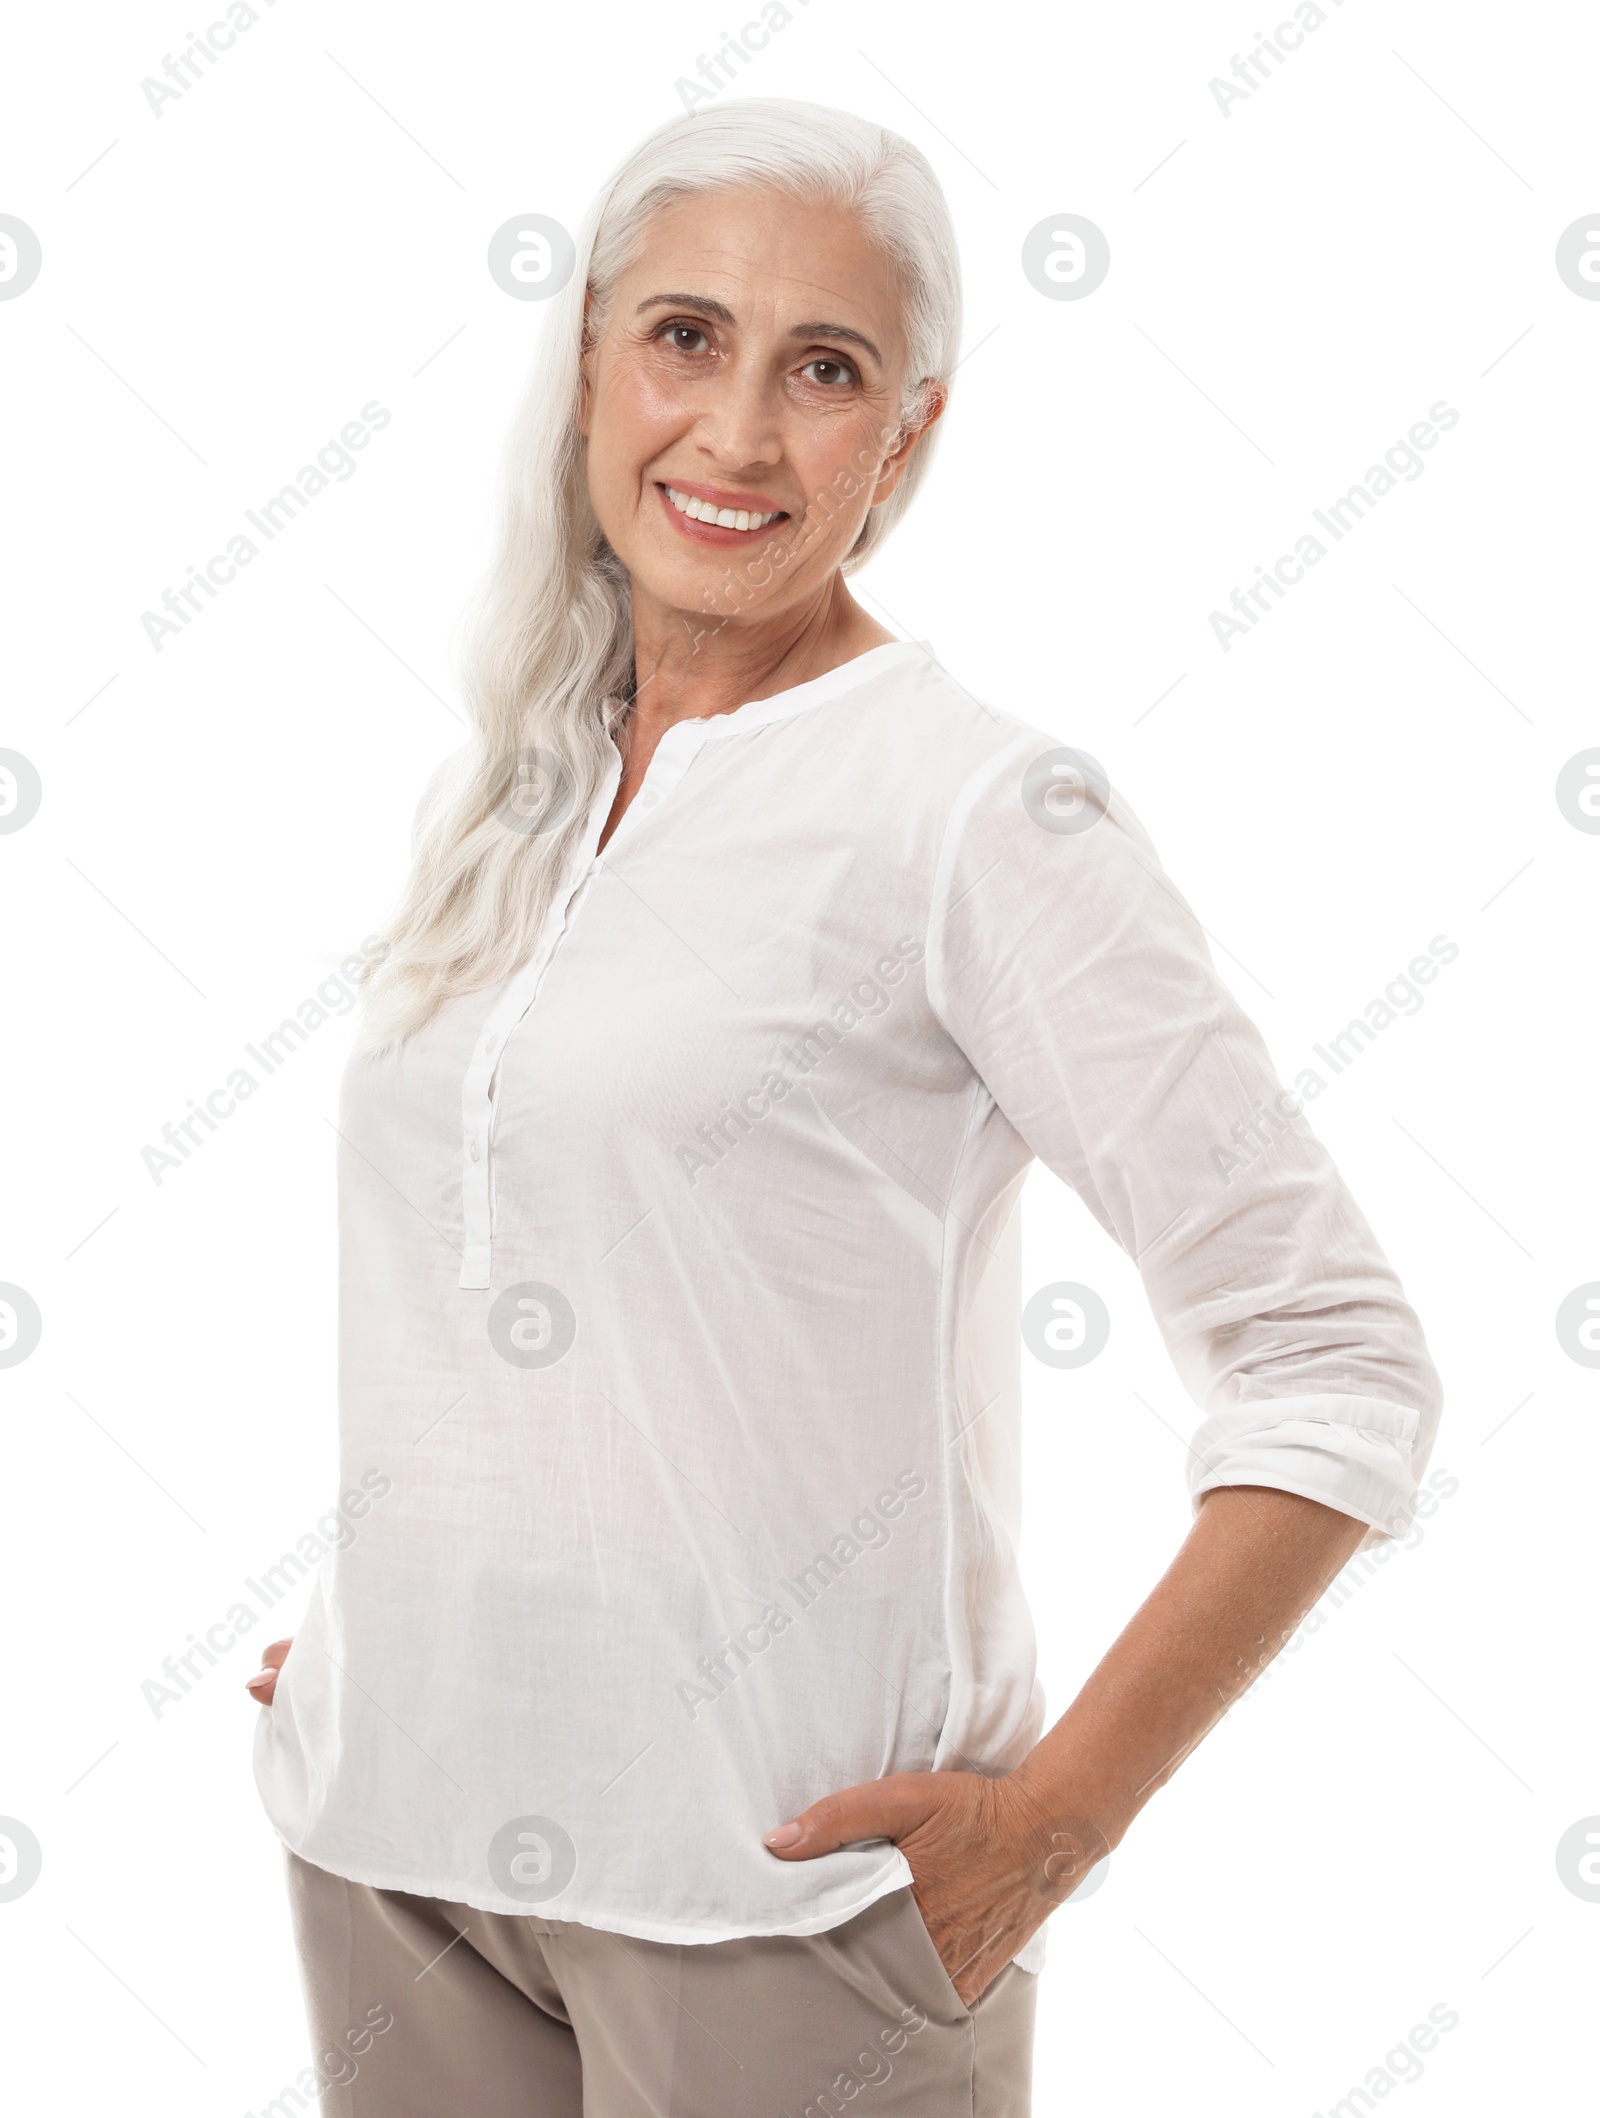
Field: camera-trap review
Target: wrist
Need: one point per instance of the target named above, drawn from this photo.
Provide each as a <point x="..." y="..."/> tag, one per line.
<point x="1056" y="1833"/>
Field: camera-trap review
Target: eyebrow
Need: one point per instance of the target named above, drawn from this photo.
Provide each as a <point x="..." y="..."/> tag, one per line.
<point x="720" y="313"/>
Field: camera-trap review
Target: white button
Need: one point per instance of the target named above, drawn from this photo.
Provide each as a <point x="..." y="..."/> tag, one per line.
<point x="650" y="797"/>
<point x="472" y="1148"/>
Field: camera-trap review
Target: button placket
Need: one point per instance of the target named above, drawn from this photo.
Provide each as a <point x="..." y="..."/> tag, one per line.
<point x="674" y="754"/>
<point x="477" y="1087"/>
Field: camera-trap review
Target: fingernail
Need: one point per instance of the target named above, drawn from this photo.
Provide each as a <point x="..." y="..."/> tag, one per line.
<point x="785" y="1835"/>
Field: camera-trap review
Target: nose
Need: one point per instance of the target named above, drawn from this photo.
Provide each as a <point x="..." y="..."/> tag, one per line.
<point x="740" y="426"/>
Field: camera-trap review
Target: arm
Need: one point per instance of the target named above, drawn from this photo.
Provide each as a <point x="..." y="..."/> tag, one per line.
<point x="1079" y="985"/>
<point x="992" y="1858"/>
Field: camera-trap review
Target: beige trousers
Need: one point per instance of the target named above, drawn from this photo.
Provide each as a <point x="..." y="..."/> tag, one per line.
<point x="423" y="2009"/>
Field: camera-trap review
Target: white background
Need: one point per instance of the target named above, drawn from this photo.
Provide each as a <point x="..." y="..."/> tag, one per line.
<point x="1373" y="1831"/>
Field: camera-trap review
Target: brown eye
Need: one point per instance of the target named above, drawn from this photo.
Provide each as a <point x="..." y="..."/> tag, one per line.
<point x="683" y="337"/>
<point x="829" y="373"/>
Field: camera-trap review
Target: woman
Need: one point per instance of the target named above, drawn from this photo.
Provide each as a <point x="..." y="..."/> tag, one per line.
<point x="666" y="1738"/>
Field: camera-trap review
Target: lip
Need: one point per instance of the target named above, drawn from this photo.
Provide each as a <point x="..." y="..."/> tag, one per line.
<point x="712" y="532"/>
<point x="752" y="503"/>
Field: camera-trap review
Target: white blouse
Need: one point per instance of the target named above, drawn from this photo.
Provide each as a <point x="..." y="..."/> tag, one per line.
<point x="679" y="1307"/>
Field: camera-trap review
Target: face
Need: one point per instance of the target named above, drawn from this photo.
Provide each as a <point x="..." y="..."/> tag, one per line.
<point x="742" y="405"/>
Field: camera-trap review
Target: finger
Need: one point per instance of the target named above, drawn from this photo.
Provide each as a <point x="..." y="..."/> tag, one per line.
<point x="265" y="1681"/>
<point x="876" y="1809"/>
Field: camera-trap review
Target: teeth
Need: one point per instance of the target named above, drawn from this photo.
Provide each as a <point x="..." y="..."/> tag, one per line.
<point x="725" y="517"/>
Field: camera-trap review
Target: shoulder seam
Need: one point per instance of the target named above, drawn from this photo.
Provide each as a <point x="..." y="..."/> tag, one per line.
<point x="955" y="824"/>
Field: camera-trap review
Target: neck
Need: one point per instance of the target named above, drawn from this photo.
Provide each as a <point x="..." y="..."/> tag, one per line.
<point x="688" y="666"/>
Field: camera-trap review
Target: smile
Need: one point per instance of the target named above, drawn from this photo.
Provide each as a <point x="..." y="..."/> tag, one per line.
<point x="719" y="517"/>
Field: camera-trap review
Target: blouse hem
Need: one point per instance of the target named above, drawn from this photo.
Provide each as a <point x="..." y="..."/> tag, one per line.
<point x="373" y="1878"/>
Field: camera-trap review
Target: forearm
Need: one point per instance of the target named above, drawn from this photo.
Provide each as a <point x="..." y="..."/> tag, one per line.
<point x="1251" y="1567"/>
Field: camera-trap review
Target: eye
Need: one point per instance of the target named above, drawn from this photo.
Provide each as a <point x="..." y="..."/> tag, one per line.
<point x="829" y="373"/>
<point x="684" y="337"/>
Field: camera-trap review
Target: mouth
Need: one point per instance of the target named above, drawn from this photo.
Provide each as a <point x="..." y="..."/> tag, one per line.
<point x="709" y="518"/>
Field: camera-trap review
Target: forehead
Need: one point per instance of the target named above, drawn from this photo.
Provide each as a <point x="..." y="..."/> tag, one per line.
<point x="768" y="256"/>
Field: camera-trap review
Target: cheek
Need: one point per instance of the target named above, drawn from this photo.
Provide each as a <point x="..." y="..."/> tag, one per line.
<point x="842" y="457"/>
<point x="635" y="416"/>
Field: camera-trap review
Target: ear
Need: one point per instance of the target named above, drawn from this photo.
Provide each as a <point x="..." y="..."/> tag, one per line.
<point x="585" y="412"/>
<point x="931" y="401"/>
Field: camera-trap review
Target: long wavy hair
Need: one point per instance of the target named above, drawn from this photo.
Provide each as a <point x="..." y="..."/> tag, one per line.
<point x="549" y="661"/>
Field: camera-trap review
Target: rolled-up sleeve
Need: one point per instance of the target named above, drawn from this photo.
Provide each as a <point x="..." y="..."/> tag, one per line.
<point x="1079" y="985"/>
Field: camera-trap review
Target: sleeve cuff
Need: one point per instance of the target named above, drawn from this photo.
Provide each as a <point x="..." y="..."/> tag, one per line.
<point x="1351" y="1453"/>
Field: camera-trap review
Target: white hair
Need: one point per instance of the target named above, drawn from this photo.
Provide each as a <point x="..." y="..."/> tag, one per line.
<point x="549" y="664"/>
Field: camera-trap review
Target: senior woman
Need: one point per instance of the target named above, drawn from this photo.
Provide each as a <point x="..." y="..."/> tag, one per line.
<point x="667" y="1739"/>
